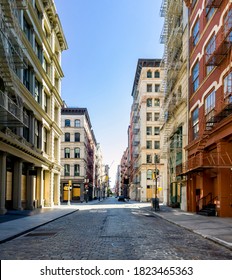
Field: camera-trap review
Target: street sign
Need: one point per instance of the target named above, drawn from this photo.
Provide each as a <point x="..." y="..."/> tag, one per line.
<point x="67" y="188"/>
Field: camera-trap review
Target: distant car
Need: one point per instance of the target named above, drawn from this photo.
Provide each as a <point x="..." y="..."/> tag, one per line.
<point x="121" y="198"/>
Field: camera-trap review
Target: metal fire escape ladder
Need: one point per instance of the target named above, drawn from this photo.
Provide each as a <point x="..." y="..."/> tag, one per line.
<point x="11" y="58"/>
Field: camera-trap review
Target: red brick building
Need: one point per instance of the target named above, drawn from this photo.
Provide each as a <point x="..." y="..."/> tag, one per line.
<point x="209" y="164"/>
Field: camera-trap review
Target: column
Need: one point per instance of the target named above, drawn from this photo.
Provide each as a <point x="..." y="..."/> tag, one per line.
<point x="30" y="188"/>
<point x="40" y="187"/>
<point x="17" y="185"/>
<point x="2" y="183"/>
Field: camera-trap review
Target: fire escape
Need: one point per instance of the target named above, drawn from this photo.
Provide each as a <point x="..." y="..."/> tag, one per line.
<point x="223" y="50"/>
<point x="11" y="60"/>
<point x="171" y="36"/>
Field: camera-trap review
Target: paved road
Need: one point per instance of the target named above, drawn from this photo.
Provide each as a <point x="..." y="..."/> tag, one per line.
<point x="112" y="230"/>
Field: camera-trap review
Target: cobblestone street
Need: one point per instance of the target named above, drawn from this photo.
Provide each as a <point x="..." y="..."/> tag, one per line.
<point x="112" y="230"/>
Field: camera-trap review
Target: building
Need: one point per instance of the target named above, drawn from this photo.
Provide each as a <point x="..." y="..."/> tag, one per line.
<point x="78" y="152"/>
<point x="31" y="44"/>
<point x="124" y="174"/>
<point x="146" y="167"/>
<point x="174" y="131"/>
<point x="209" y="163"/>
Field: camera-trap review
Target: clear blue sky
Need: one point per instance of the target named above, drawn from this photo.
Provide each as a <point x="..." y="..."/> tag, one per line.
<point x="105" y="39"/>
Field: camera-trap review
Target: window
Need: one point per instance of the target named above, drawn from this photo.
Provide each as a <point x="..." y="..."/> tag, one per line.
<point x="45" y="139"/>
<point x="209" y="106"/>
<point x="67" y="137"/>
<point x="157" y="74"/>
<point x="157" y="145"/>
<point x="157" y="102"/>
<point x="77" y="137"/>
<point x="66" y="170"/>
<point x="45" y="104"/>
<point x="195" y="77"/>
<point x="195" y="122"/>
<point x="149" y="74"/>
<point x="157" y="116"/>
<point x="156" y="158"/>
<point x="228" y="25"/>
<point x="149" y="102"/>
<point x="228" y="87"/>
<point x="149" y="174"/>
<point x="27" y="73"/>
<point x="157" y="88"/>
<point x="38" y="51"/>
<point x="149" y="117"/>
<point x="27" y="30"/>
<point x="157" y="131"/>
<point x="209" y="12"/>
<point x="67" y="123"/>
<point x="77" y="123"/>
<point x="67" y="153"/>
<point x="38" y="90"/>
<point x="36" y="133"/>
<point x="210" y="48"/>
<point x="149" y="130"/>
<point x="76" y="170"/>
<point x="149" y="144"/>
<point x="149" y="159"/>
<point x="149" y="88"/>
<point x="77" y="153"/>
<point x="196" y="32"/>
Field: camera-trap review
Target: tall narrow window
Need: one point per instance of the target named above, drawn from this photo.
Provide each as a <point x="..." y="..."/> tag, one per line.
<point x="210" y="48"/>
<point x="209" y="108"/>
<point x="149" y="159"/>
<point x="76" y="170"/>
<point x="149" y="174"/>
<point x="157" y="102"/>
<point x="228" y="88"/>
<point x="149" y="88"/>
<point x="149" y="102"/>
<point x="196" y="32"/>
<point x="77" y="123"/>
<point x="149" y="130"/>
<point x="67" y="123"/>
<point x="157" y="131"/>
<point x="149" y="74"/>
<point x="45" y="140"/>
<point x="67" y="152"/>
<point x="149" y="144"/>
<point x="157" y="116"/>
<point x="157" y="88"/>
<point x="36" y="133"/>
<point x="195" y="77"/>
<point x="66" y="170"/>
<point x="38" y="90"/>
<point x="77" y="137"/>
<point x="149" y="117"/>
<point x="77" y="152"/>
<point x="195" y="123"/>
<point x="67" y="137"/>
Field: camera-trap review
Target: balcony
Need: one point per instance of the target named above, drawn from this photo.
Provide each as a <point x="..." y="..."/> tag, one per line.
<point x="10" y="114"/>
<point x="203" y="161"/>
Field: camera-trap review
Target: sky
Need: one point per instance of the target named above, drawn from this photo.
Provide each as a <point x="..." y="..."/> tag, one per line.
<point x="105" y="40"/>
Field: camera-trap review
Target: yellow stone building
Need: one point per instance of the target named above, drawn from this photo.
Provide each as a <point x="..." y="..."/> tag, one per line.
<point x="31" y="44"/>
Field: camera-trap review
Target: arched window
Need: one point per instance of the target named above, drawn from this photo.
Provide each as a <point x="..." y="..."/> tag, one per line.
<point x="67" y="153"/>
<point x="149" y="74"/>
<point x="157" y="74"/>
<point x="77" y="123"/>
<point x="77" y="152"/>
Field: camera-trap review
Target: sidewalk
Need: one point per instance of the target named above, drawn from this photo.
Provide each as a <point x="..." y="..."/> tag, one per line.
<point x="216" y="229"/>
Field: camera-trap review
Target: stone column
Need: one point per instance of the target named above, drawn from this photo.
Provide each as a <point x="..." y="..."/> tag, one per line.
<point x="2" y="183"/>
<point x="40" y="187"/>
<point x="30" y="188"/>
<point x="17" y="185"/>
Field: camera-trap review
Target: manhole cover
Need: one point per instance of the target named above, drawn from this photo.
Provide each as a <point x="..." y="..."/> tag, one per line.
<point x="41" y="234"/>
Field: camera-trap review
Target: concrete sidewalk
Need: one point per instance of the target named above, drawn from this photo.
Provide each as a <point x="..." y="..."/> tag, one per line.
<point x="216" y="229"/>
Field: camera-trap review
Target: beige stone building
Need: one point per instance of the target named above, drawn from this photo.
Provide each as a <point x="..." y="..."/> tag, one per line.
<point x="31" y="44"/>
<point x="146" y="167"/>
<point x="79" y="152"/>
<point x="175" y="90"/>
